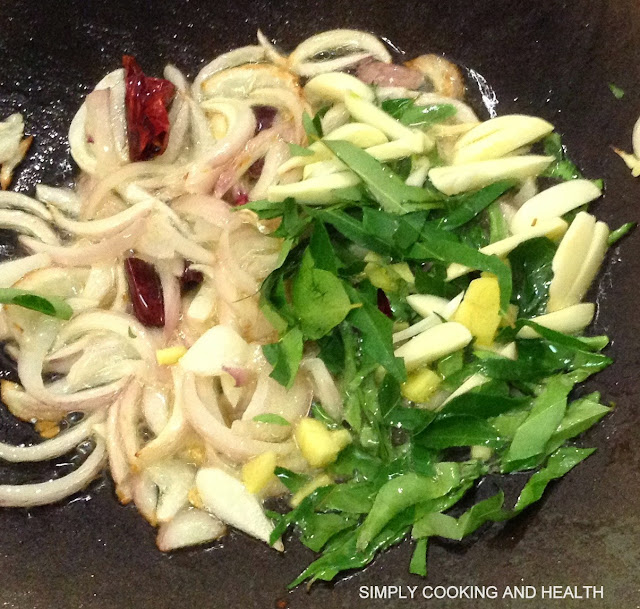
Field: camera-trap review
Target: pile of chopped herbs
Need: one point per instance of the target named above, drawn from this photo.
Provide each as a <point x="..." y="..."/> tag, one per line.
<point x="409" y="466"/>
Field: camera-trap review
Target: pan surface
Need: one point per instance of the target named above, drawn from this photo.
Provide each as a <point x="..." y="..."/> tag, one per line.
<point x="550" y="58"/>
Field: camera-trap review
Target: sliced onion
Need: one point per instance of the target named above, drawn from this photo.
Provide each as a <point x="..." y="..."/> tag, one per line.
<point x="271" y="397"/>
<point x="202" y="307"/>
<point x="324" y="386"/>
<point x="155" y="409"/>
<point x="126" y="326"/>
<point x="14" y="270"/>
<point x="118" y="115"/>
<point x="162" y="240"/>
<point x="218" y="347"/>
<point x="271" y="52"/>
<point x="28" y="495"/>
<point x="61" y="198"/>
<point x="100" y="283"/>
<point x="128" y="418"/>
<point x="118" y="464"/>
<point x="237" y="57"/>
<point x="55" y="447"/>
<point x="33" y="349"/>
<point x="98" y="131"/>
<point x="189" y="527"/>
<point x="145" y="496"/>
<point x="290" y="103"/>
<point x="178" y="132"/>
<point x="104" y="227"/>
<point x="114" y="118"/>
<point x="117" y="179"/>
<point x="276" y="155"/>
<point x="360" y="45"/>
<point x="16" y="200"/>
<point x="23" y="406"/>
<point x="240" y="81"/>
<point x="78" y="255"/>
<point x="212" y="209"/>
<point x="28" y="224"/>
<point x="241" y="126"/>
<point x="174" y="479"/>
<point x="171" y="298"/>
<point x="255" y="149"/>
<point x="237" y="448"/>
<point x="172" y="436"/>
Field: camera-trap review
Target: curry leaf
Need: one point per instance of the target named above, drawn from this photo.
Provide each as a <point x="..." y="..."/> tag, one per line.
<point x="376" y="331"/>
<point x="285" y="356"/>
<point x="47" y="305"/>
<point x="403" y="492"/>
<point x="385" y="186"/>
<point x="272" y="419"/>
<point x="319" y="299"/>
<point x="548" y="411"/>
<point x="459" y="430"/>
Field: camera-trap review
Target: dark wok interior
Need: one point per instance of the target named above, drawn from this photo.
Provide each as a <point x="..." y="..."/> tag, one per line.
<point x="552" y="58"/>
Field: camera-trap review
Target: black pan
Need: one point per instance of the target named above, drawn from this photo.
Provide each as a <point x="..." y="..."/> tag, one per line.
<point x="546" y="57"/>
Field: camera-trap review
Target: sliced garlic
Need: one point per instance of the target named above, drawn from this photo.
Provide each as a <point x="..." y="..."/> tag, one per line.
<point x="577" y="261"/>
<point x="317" y="190"/>
<point x="552" y="228"/>
<point x="434" y="343"/>
<point x="229" y="500"/>
<point x="462" y="178"/>
<point x="427" y="304"/>
<point x="189" y="527"/>
<point x="498" y="137"/>
<point x="571" y="320"/>
<point x="592" y="263"/>
<point x="553" y="202"/>
<point x="218" y="347"/>
<point x="416" y="143"/>
<point x="365" y="112"/>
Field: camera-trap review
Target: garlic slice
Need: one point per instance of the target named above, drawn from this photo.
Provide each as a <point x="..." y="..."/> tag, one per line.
<point x="318" y="190"/>
<point x="365" y="112"/>
<point x="229" y="500"/>
<point x="434" y="343"/>
<point x="571" y="320"/>
<point x="577" y="261"/>
<point x="552" y="228"/>
<point x="456" y="179"/>
<point x="553" y="202"/>
<point x="498" y="137"/>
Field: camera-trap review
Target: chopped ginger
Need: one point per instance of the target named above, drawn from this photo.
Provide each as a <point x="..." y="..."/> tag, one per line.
<point x="258" y="472"/>
<point x="479" y="310"/>
<point x="421" y="385"/>
<point x="170" y="355"/>
<point x="318" y="445"/>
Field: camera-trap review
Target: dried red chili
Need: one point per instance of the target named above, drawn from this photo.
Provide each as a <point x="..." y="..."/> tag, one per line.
<point x="146" y="102"/>
<point x="145" y="292"/>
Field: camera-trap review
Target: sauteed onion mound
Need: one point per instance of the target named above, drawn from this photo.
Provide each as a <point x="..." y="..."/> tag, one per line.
<point x="316" y="275"/>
